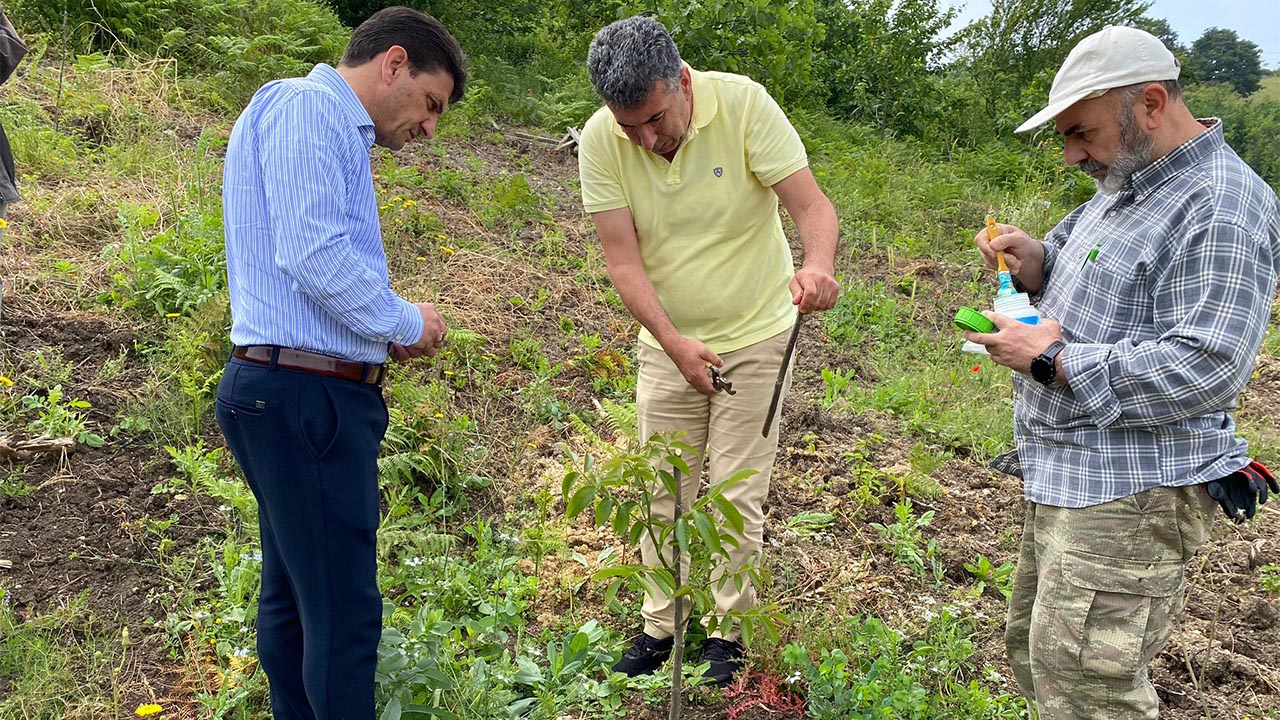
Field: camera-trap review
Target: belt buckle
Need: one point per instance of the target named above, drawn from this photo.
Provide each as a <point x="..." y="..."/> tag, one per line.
<point x="373" y="374"/>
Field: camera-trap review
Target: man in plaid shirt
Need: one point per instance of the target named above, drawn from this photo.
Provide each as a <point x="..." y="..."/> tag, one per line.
<point x="1156" y="294"/>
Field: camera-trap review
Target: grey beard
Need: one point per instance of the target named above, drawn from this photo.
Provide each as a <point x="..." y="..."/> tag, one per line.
<point x="1134" y="154"/>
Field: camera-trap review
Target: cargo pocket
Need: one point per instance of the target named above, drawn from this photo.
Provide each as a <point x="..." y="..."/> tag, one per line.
<point x="1125" y="611"/>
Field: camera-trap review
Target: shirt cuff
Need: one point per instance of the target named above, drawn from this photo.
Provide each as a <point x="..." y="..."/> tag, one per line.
<point x="408" y="330"/>
<point x="1085" y="366"/>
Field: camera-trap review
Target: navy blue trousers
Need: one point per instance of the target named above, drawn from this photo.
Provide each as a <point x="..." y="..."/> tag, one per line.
<point x="308" y="446"/>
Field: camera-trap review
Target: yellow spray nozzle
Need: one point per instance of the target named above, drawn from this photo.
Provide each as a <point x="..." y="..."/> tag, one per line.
<point x="993" y="231"/>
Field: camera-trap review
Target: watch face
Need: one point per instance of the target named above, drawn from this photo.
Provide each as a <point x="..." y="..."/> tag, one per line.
<point x="1042" y="367"/>
<point x="1042" y="370"/>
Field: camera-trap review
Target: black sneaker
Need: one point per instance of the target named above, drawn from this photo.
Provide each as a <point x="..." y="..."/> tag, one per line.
<point x="645" y="656"/>
<point x="725" y="657"/>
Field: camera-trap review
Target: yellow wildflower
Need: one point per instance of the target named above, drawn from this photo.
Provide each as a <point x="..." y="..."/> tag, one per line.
<point x="5" y="381"/>
<point x="420" y="259"/>
<point x="448" y="250"/>
<point x="442" y="236"/>
<point x="384" y="207"/>
<point x="148" y="709"/>
<point x="3" y="223"/>
<point x="439" y="415"/>
<point x="173" y="314"/>
<point x="410" y="203"/>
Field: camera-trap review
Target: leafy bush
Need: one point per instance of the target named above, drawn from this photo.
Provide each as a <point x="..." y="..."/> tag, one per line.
<point x="241" y="44"/>
<point x="167" y="271"/>
<point x="876" y="58"/>
<point x="773" y="43"/>
<point x="881" y="672"/>
<point x="1251" y="125"/>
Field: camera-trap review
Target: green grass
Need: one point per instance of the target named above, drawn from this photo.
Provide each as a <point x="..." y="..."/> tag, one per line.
<point x="62" y="663"/>
<point x="1269" y="90"/>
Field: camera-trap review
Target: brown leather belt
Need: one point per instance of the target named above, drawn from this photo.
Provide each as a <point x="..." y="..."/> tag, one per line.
<point x="315" y="363"/>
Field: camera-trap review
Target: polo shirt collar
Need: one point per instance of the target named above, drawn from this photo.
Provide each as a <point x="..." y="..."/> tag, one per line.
<point x="1183" y="157"/>
<point x="352" y="108"/>
<point x="705" y="103"/>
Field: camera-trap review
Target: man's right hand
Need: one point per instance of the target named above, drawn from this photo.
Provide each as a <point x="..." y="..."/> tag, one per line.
<point x="1022" y="253"/>
<point x="433" y="333"/>
<point x="691" y="357"/>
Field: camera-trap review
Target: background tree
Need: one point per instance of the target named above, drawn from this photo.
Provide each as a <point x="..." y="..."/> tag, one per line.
<point x="773" y="43"/>
<point x="1016" y="50"/>
<point x="1161" y="29"/>
<point x="1221" y="56"/>
<point x="879" y="61"/>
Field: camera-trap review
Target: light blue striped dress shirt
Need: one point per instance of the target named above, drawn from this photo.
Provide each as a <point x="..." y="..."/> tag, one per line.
<point x="305" y="261"/>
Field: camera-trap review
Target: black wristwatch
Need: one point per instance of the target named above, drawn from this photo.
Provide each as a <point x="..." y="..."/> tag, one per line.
<point x="1043" y="368"/>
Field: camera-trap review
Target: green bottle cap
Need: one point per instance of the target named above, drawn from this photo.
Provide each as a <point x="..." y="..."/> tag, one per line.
<point x="967" y="319"/>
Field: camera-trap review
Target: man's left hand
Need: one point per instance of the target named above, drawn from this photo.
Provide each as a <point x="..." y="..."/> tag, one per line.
<point x="402" y="353"/>
<point x="813" y="289"/>
<point x="1015" y="344"/>
<point x="1242" y="491"/>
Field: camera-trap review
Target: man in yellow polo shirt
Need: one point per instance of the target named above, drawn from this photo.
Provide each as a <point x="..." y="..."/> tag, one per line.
<point x="682" y="172"/>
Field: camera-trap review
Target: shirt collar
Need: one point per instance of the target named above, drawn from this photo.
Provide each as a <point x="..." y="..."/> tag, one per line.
<point x="352" y="108"/>
<point x="705" y="104"/>
<point x="1183" y="157"/>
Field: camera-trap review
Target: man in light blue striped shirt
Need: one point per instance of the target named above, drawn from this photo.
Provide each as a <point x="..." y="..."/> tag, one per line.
<point x="1156" y="294"/>
<point x="313" y="320"/>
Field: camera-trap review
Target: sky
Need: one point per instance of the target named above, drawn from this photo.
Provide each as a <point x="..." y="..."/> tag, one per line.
<point x="1255" y="20"/>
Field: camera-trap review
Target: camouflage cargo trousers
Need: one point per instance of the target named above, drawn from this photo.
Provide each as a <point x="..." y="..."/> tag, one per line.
<point x="1094" y="599"/>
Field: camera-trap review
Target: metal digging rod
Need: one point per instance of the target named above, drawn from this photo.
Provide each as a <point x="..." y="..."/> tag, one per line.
<point x="677" y="648"/>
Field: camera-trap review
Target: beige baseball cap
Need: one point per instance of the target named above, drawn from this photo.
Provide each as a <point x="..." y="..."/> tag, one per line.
<point x="1115" y="56"/>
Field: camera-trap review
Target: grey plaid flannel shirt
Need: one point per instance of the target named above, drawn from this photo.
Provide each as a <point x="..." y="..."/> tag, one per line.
<point x="1162" y="323"/>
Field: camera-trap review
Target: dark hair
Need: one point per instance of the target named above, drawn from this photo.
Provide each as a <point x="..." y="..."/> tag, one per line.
<point x="425" y="40"/>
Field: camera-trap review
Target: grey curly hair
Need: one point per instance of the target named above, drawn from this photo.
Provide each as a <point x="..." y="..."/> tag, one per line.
<point x="628" y="57"/>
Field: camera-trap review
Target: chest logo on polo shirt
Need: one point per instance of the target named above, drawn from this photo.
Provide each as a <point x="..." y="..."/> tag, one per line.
<point x="718" y="171"/>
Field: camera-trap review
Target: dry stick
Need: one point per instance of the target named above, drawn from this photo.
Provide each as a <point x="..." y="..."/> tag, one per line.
<point x="1208" y="655"/>
<point x="677" y="649"/>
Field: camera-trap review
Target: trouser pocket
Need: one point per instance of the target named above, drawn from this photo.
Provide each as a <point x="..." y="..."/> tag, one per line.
<point x="1110" y="616"/>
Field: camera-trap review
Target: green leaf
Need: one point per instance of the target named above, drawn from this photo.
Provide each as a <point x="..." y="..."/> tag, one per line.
<point x="570" y="479"/>
<point x="707" y="531"/>
<point x="580" y="500"/>
<point x="603" y="510"/>
<point x="682" y="535"/>
<point x="617" y="571"/>
<point x="392" y="711"/>
<point x="732" y="517"/>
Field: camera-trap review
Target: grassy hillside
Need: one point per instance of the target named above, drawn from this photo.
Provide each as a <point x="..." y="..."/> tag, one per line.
<point x="1270" y="89"/>
<point x="132" y="560"/>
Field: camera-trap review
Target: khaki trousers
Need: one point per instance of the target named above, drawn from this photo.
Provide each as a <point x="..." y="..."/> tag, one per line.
<point x="725" y="431"/>
<point x="1094" y="599"/>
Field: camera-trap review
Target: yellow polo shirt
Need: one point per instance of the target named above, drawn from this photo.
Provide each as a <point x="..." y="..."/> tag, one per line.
<point x="707" y="222"/>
